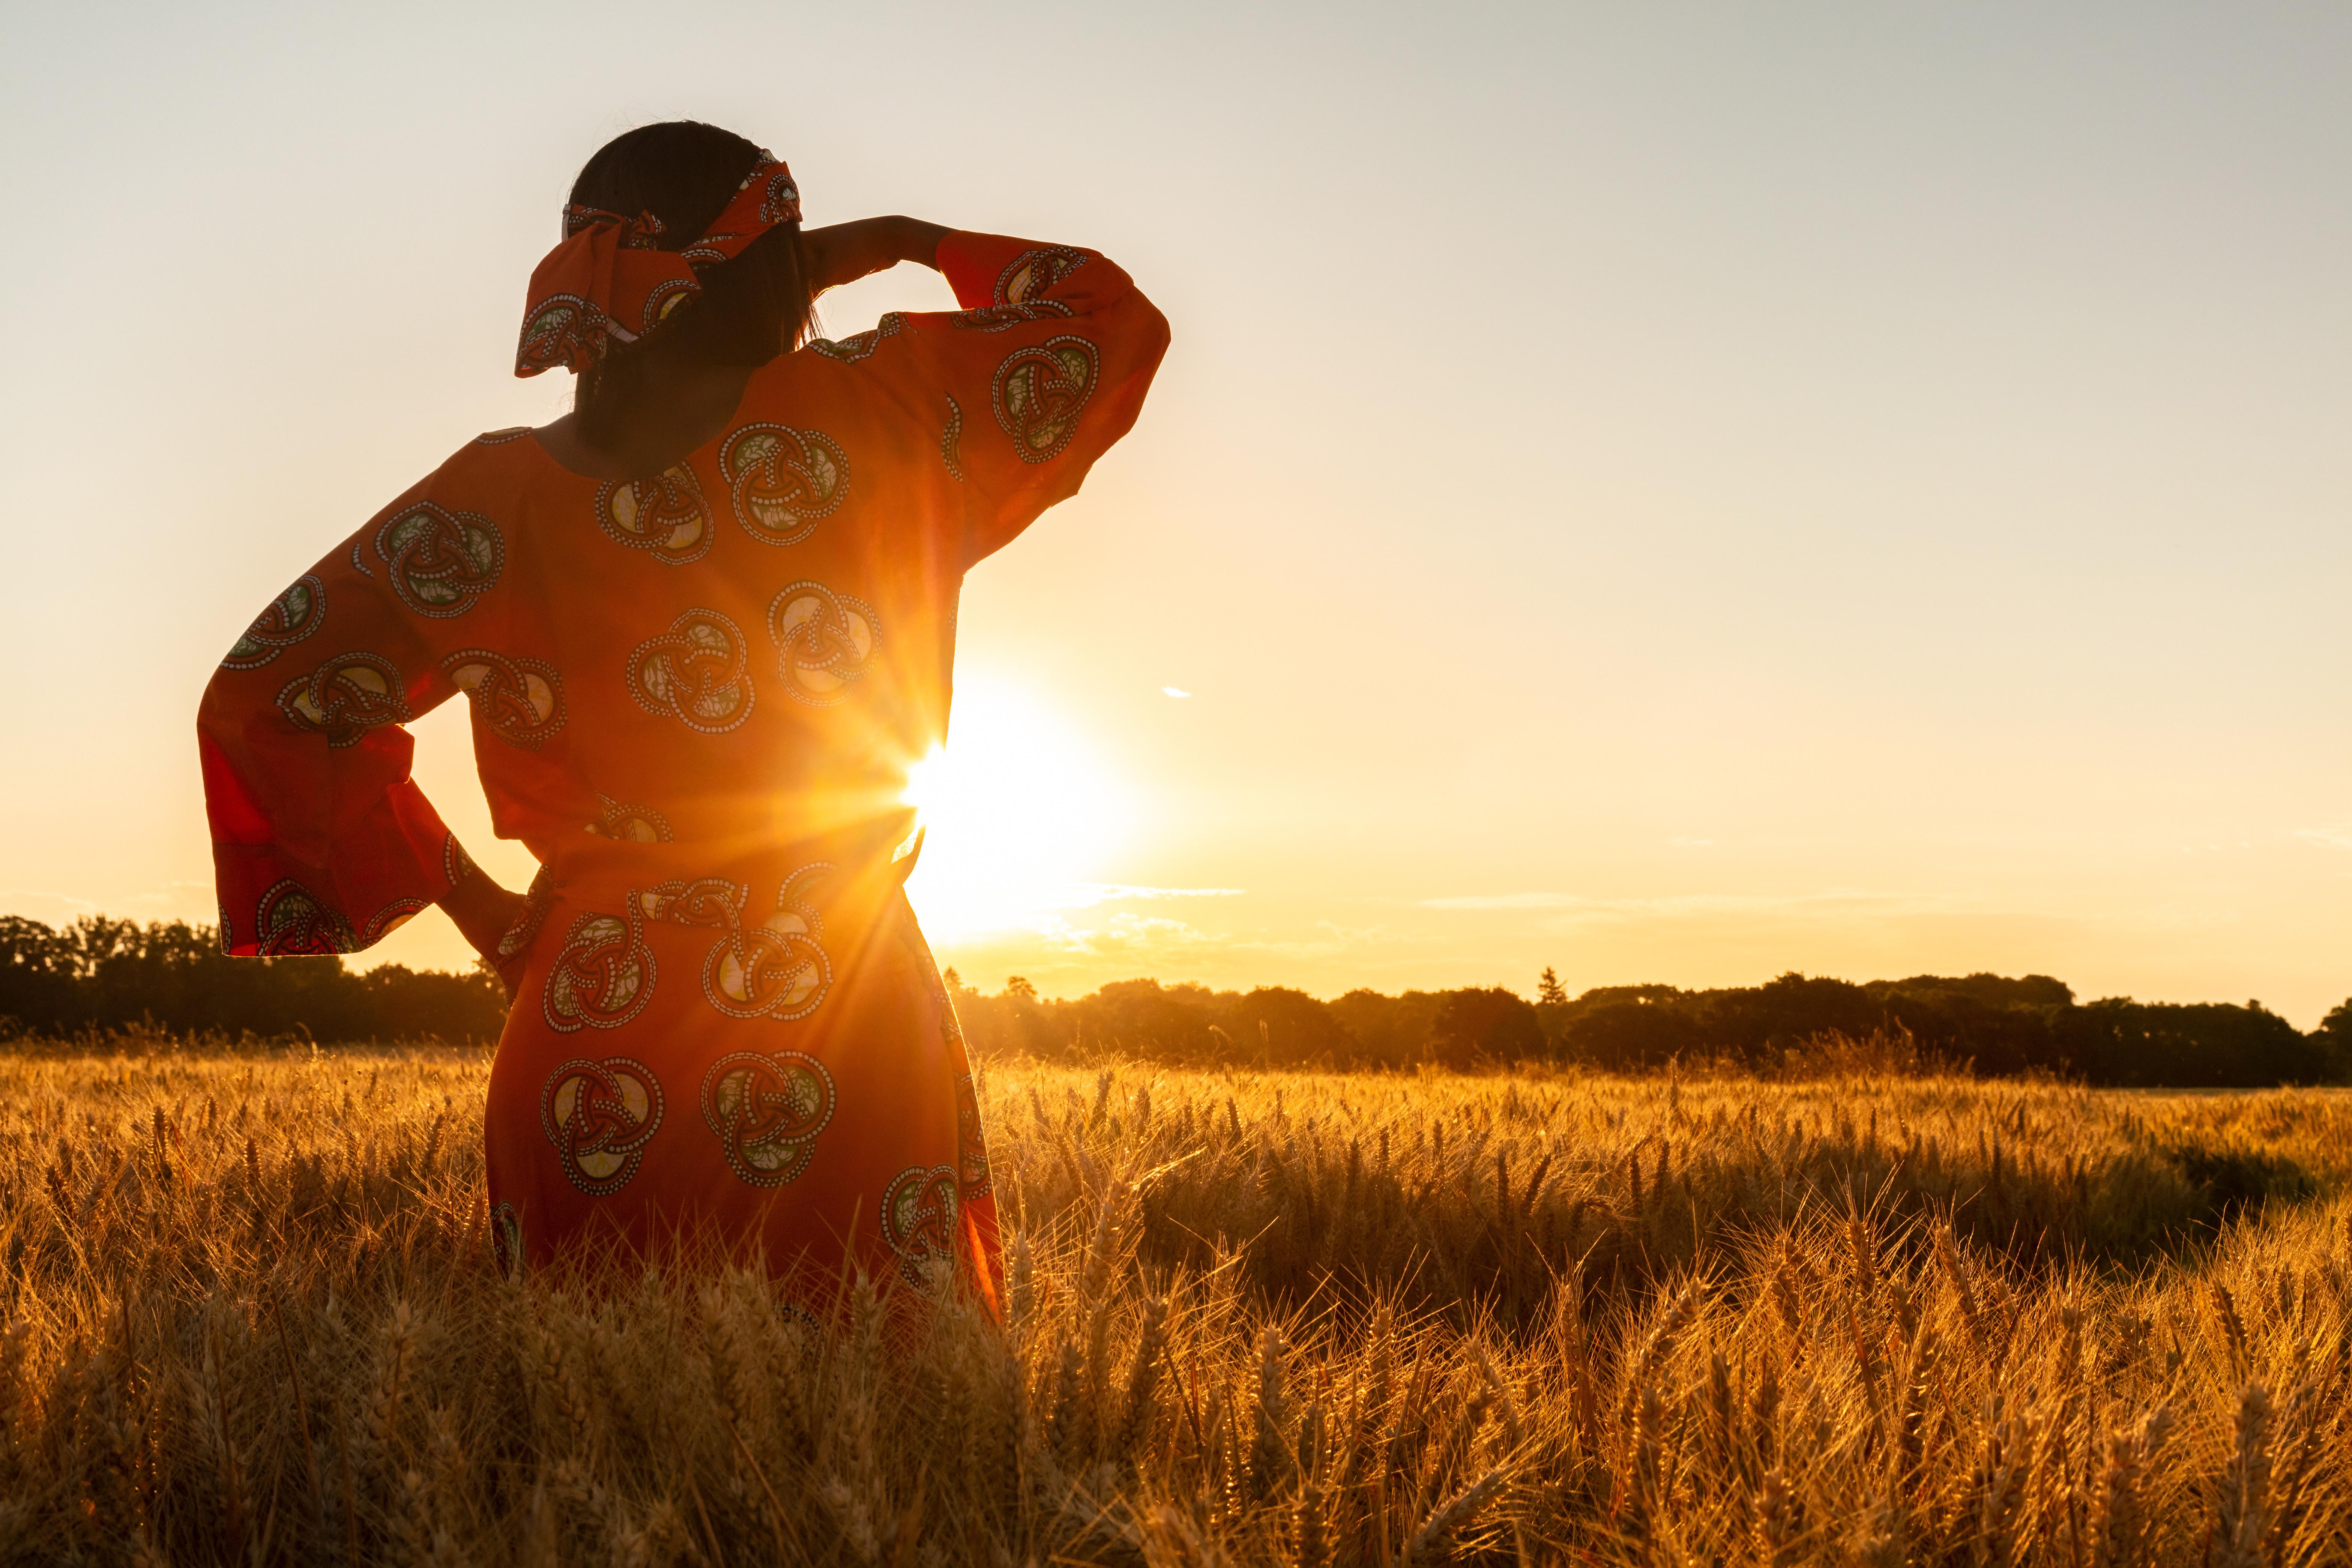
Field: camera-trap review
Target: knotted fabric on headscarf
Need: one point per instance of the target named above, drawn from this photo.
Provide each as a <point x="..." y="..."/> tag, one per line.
<point x="609" y="282"/>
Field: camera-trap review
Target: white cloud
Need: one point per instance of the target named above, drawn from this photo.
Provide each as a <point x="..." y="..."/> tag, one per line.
<point x="1093" y="893"/>
<point x="1509" y="902"/>
<point x="1137" y="937"/>
<point x="50" y="909"/>
<point x="2327" y="838"/>
<point x="1175" y="691"/>
<point x="178" y="895"/>
<point x="1836" y="902"/>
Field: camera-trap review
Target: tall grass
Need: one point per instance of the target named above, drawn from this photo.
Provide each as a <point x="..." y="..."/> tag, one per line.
<point x="252" y="1316"/>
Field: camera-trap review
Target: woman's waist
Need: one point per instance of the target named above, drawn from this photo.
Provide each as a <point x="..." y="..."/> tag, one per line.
<point x="589" y="866"/>
<point x="838" y="881"/>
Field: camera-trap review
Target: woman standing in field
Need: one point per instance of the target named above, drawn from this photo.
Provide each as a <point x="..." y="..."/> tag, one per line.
<point x="706" y="623"/>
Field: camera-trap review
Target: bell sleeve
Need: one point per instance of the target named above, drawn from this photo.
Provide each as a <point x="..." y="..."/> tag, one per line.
<point x="1042" y="369"/>
<point x="321" y="842"/>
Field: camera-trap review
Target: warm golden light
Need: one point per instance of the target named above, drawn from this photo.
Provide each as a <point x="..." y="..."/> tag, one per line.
<point x="1021" y="815"/>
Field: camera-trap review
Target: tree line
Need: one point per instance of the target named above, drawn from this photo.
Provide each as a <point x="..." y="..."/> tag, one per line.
<point x="102" y="974"/>
<point x="107" y="974"/>
<point x="1985" y="1024"/>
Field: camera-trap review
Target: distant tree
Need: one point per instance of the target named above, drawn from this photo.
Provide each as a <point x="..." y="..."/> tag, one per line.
<point x="1291" y="1027"/>
<point x="2333" y="1038"/>
<point x="1019" y="986"/>
<point x="1489" y="1022"/>
<point x="951" y="980"/>
<point x="1390" y="1031"/>
<point x="1175" y="1022"/>
<point x="1998" y="1024"/>
<point x="1549" y="992"/>
<point x="2205" y="1045"/>
<point x="404" y="1004"/>
<point x="37" y="975"/>
<point x="1640" y="995"/>
<point x="1633" y="1034"/>
<point x="1987" y="990"/>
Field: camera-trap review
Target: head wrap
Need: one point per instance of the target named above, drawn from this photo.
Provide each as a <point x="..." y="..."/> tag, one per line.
<point x="609" y="282"/>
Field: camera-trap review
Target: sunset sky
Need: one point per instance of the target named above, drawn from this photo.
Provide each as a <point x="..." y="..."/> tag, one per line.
<point x="1676" y="493"/>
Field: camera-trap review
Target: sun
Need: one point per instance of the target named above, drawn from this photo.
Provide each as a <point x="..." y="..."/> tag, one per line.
<point x="1020" y="815"/>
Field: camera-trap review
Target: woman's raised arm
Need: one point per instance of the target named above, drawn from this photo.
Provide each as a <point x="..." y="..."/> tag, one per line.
<point x="843" y="252"/>
<point x="1041" y="371"/>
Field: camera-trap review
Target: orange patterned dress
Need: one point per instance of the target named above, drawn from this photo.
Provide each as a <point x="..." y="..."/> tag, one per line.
<point x="695" y="698"/>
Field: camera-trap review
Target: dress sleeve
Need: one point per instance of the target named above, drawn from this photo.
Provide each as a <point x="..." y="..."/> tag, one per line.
<point x="321" y="842"/>
<point x="1043" y="368"/>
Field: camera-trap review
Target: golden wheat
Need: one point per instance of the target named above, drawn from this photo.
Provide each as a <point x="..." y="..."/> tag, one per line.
<point x="251" y="1316"/>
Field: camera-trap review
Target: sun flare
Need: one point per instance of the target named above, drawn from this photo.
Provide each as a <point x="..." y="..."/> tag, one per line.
<point x="1020" y="815"/>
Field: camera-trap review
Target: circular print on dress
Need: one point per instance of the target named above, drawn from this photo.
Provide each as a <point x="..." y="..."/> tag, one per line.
<point x="441" y="562"/>
<point x="602" y="979"/>
<point x="918" y="1219"/>
<point x="600" y="1115"/>
<point x="783" y="481"/>
<point x="663" y="516"/>
<point x="766" y="1112"/>
<point x="824" y="641"/>
<point x="697" y="672"/>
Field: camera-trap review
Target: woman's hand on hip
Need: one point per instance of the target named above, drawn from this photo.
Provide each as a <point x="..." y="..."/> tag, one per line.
<point x="482" y="910"/>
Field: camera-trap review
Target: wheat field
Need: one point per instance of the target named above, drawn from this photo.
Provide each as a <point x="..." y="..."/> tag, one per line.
<point x="252" y="1316"/>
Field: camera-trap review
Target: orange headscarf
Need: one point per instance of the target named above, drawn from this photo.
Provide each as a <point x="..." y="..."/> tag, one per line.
<point x="609" y="282"/>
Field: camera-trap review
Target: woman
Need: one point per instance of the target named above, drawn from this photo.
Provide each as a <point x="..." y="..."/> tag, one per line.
<point x="706" y="622"/>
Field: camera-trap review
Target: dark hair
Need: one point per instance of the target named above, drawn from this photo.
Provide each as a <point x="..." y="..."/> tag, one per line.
<point x="750" y="309"/>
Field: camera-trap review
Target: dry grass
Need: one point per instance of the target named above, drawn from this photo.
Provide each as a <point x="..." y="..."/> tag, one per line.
<point x="251" y="1316"/>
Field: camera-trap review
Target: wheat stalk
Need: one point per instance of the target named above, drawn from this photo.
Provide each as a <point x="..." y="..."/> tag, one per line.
<point x="2245" y="1485"/>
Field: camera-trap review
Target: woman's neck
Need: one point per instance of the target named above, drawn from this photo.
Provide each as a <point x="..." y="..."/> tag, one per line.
<point x="681" y="409"/>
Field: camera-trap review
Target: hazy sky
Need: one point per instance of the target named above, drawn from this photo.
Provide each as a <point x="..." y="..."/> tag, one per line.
<point x="1676" y="493"/>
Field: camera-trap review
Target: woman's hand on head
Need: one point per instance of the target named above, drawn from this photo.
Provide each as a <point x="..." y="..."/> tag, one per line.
<point x="843" y="252"/>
